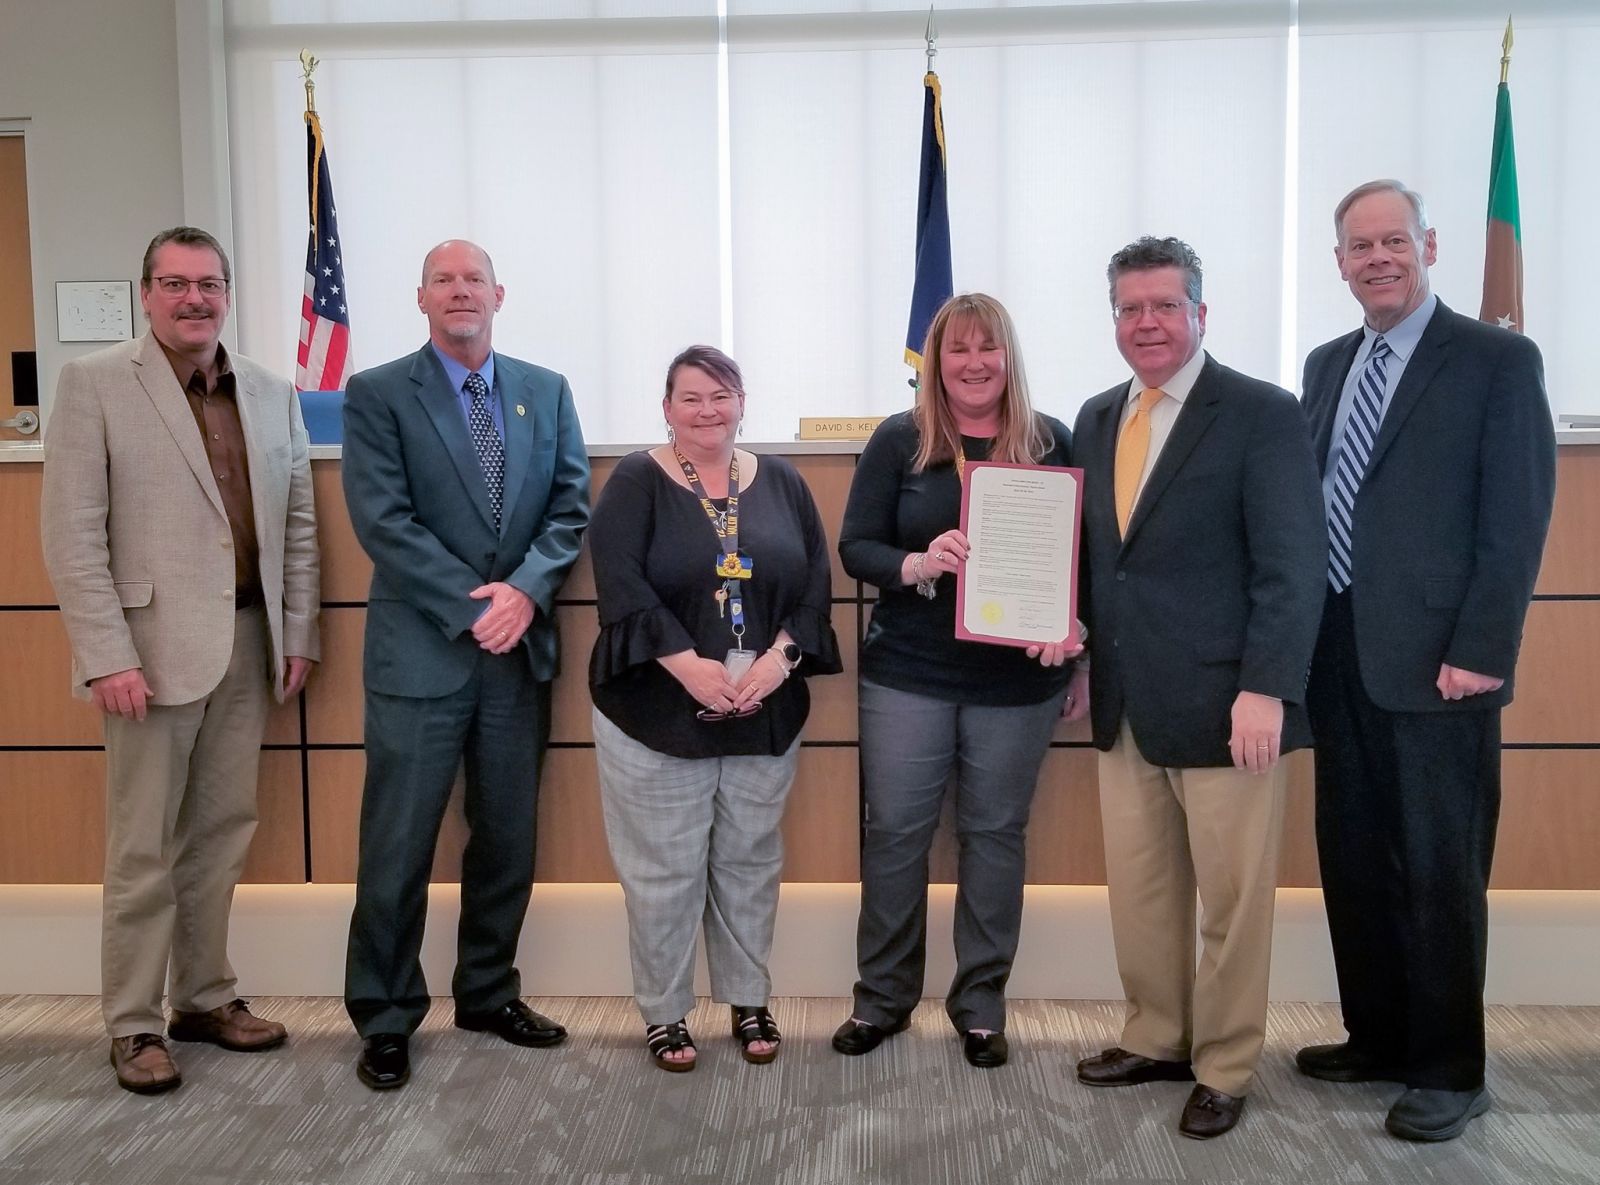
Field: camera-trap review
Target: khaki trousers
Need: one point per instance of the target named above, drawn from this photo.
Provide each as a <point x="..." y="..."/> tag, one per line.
<point x="180" y="811"/>
<point x="1169" y="832"/>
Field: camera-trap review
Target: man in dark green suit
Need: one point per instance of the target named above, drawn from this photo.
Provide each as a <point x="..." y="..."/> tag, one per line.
<point x="468" y="485"/>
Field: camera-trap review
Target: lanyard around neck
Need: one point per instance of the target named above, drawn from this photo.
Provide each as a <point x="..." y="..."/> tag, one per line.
<point x="725" y="525"/>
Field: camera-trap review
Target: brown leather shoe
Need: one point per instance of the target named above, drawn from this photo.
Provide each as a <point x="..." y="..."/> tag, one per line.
<point x="143" y="1064"/>
<point x="1209" y="1113"/>
<point x="230" y="1026"/>
<point x="1117" y="1067"/>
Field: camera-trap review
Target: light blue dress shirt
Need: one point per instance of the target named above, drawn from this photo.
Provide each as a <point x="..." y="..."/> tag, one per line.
<point x="457" y="374"/>
<point x="1402" y="340"/>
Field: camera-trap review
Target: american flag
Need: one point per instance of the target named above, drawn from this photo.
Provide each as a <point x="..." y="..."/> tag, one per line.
<point x="324" y="361"/>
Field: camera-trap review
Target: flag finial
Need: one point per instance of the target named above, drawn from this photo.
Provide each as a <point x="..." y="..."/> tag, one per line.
<point x="308" y="67"/>
<point x="931" y="36"/>
<point x="1505" y="53"/>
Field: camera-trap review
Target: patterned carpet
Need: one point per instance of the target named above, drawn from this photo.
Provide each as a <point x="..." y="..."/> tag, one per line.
<point x="594" y="1112"/>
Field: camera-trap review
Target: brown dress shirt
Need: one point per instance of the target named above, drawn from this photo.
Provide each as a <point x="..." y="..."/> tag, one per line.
<point x="216" y="414"/>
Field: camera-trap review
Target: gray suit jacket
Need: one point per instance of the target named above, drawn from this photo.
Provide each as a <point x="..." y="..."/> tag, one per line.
<point x="420" y="508"/>
<point x="136" y="539"/>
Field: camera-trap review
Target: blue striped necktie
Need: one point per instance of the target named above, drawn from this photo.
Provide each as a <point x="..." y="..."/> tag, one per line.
<point x="1360" y="433"/>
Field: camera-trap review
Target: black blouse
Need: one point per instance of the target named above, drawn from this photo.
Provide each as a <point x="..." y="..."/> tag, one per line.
<point x="654" y="552"/>
<point x="911" y="643"/>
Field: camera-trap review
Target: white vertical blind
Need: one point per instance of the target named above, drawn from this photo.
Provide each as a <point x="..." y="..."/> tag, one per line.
<point x="582" y="148"/>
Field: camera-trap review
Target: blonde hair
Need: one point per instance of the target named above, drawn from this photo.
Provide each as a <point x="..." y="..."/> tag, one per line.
<point x="1022" y="438"/>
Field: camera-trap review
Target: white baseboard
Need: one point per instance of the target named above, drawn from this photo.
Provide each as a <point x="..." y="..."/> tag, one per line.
<point x="290" y="940"/>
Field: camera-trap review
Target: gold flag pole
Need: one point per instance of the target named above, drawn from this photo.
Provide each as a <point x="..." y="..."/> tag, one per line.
<point x="1505" y="53"/>
<point x="308" y="66"/>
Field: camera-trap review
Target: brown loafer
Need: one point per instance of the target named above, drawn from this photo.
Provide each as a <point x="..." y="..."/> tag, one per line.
<point x="1209" y="1113"/>
<point x="143" y="1064"/>
<point x="1117" y="1067"/>
<point x="231" y="1026"/>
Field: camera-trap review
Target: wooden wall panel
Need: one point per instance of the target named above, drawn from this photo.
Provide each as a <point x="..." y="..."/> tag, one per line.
<point x="52" y="815"/>
<point x="580" y="581"/>
<point x="822" y="825"/>
<point x="1297" y="859"/>
<point x="335" y="776"/>
<point x="1549" y="821"/>
<point x="572" y="834"/>
<point x="36" y="702"/>
<point x="333" y="695"/>
<point x="1064" y="840"/>
<point x="1065" y="846"/>
<point x="829" y="477"/>
<point x="22" y="576"/>
<point x="278" y="851"/>
<point x="833" y="697"/>
<point x="346" y="571"/>
<point x="570" y="705"/>
<point x="1558" y="676"/>
<point x="1571" y="558"/>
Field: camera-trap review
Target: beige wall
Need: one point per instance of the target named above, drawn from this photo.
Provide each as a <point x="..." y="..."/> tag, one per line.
<point x="95" y="83"/>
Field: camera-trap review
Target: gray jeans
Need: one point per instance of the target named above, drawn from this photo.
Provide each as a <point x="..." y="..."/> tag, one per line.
<point x="910" y="746"/>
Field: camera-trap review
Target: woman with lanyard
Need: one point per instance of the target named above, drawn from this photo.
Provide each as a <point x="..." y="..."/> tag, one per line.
<point x="712" y="574"/>
<point x="931" y="704"/>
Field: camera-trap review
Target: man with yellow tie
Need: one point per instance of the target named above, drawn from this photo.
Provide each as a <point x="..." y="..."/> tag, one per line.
<point x="1203" y="565"/>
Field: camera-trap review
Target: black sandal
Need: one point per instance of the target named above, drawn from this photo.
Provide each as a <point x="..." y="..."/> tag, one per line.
<point x="755" y="1024"/>
<point x="665" y="1039"/>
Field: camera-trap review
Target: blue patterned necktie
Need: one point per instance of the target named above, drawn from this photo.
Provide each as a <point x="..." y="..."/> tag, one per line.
<point x="1360" y="433"/>
<point x="491" y="452"/>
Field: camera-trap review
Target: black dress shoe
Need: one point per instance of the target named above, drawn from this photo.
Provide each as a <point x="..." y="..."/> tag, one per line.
<point x="515" y="1022"/>
<point x="1434" y="1115"/>
<point x="985" y="1050"/>
<point x="385" y="1061"/>
<point x="1345" y="1062"/>
<point x="1117" y="1067"/>
<point x="856" y="1037"/>
<point x="1209" y="1113"/>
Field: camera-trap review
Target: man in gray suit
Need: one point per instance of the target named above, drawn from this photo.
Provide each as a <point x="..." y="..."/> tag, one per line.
<point x="468" y="485"/>
<point x="180" y="537"/>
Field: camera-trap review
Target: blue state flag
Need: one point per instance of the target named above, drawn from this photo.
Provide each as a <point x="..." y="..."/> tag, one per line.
<point x="933" y="285"/>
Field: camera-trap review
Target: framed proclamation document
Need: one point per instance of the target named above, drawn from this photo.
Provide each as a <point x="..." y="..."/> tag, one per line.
<point x="1019" y="586"/>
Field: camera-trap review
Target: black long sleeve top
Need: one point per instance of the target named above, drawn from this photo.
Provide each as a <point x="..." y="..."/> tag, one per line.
<point x="911" y="643"/>
<point x="654" y="553"/>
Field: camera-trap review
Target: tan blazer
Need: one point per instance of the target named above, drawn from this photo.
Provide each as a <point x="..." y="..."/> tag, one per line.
<point x="135" y="536"/>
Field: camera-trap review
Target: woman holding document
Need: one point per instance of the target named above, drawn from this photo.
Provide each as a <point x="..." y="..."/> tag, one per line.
<point x="930" y="703"/>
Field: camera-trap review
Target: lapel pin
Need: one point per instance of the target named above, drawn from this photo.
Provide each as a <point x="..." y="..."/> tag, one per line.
<point x="521" y="411"/>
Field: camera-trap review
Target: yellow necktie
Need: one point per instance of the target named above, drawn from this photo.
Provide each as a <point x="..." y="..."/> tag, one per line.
<point x="1132" y="449"/>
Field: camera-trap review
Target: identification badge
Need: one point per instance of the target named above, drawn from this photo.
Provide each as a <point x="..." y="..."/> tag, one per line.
<point x="738" y="663"/>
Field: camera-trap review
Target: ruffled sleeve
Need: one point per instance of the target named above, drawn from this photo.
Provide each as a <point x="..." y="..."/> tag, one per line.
<point x="638" y="638"/>
<point x="635" y="626"/>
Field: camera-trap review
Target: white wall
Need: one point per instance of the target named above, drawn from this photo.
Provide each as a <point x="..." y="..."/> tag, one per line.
<point x="97" y="83"/>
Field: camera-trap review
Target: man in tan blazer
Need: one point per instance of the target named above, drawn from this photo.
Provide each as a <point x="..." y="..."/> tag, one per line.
<point x="179" y="534"/>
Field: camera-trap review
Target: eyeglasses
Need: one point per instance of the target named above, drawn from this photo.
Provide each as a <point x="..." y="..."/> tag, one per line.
<point x="179" y="286"/>
<point x="712" y="716"/>
<point x="1163" y="309"/>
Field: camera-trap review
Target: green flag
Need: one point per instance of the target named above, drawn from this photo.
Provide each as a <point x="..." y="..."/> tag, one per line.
<point x="1502" y="257"/>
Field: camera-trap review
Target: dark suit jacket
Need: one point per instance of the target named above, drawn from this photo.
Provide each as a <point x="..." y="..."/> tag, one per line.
<point x="420" y="508"/>
<point x="1451" y="516"/>
<point x="1218" y="587"/>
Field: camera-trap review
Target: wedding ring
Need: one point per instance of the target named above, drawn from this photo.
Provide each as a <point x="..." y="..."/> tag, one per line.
<point x="939" y="555"/>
